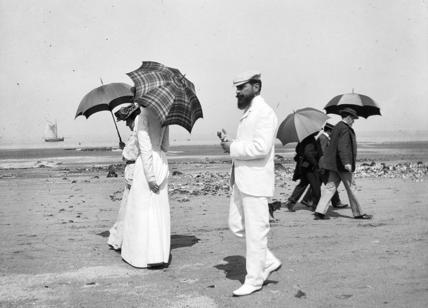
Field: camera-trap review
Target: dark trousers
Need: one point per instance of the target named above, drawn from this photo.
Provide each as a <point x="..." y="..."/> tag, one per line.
<point x="311" y="178"/>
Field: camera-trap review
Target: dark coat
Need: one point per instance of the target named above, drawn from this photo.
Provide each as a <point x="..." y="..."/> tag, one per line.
<point x="342" y="149"/>
<point x="324" y="142"/>
<point x="308" y="152"/>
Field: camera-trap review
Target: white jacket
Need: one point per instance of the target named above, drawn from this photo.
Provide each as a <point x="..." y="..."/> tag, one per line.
<point x="253" y="150"/>
<point x="153" y="142"/>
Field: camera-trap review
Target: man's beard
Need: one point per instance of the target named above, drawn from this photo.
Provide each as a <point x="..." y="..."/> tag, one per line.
<point x="244" y="100"/>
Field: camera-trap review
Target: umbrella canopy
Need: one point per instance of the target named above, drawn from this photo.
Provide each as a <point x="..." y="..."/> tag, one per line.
<point x="168" y="92"/>
<point x="300" y="124"/>
<point x="362" y="104"/>
<point x="106" y="97"/>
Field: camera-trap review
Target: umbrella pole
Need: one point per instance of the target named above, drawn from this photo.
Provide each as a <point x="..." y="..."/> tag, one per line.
<point x="117" y="130"/>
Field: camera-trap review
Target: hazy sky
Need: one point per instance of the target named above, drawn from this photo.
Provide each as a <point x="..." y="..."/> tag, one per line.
<point x="54" y="52"/>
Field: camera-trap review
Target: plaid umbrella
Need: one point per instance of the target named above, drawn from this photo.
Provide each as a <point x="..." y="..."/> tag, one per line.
<point x="300" y="124"/>
<point x="362" y="104"/>
<point x="168" y="92"/>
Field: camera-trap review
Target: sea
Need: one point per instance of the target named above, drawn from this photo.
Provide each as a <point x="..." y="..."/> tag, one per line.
<point x="400" y="144"/>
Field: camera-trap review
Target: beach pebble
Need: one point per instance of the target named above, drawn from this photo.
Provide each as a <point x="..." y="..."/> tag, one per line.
<point x="300" y="294"/>
<point x="111" y="171"/>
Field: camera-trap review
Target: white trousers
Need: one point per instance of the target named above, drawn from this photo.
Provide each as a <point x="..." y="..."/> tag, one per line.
<point x="330" y="188"/>
<point x="249" y="217"/>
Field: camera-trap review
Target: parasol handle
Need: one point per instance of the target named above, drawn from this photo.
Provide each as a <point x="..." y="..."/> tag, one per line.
<point x="117" y="130"/>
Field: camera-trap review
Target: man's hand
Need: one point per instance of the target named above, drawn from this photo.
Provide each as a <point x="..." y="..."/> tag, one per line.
<point x="226" y="146"/>
<point x="154" y="187"/>
<point x="348" y="167"/>
<point x="121" y="145"/>
<point x="223" y="135"/>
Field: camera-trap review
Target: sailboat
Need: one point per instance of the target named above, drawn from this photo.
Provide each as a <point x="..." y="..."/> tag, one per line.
<point x="51" y="133"/>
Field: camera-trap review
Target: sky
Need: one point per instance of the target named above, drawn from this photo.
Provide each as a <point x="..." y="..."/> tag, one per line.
<point x="53" y="52"/>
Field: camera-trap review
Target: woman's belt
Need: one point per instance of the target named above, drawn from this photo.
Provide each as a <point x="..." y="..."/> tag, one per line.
<point x="128" y="162"/>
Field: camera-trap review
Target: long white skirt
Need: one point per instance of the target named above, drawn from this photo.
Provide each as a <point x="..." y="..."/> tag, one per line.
<point x="146" y="230"/>
<point x="116" y="232"/>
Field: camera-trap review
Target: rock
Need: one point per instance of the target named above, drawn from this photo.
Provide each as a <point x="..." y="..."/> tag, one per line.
<point x="279" y="166"/>
<point x="111" y="172"/>
<point x="406" y="170"/>
<point x="185" y="199"/>
<point x="300" y="294"/>
<point x="116" y="196"/>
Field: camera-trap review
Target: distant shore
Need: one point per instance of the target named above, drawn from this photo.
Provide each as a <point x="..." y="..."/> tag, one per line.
<point x="188" y="150"/>
<point x="415" y="151"/>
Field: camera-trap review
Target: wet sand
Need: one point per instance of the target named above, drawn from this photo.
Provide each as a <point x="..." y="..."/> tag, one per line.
<point x="55" y="219"/>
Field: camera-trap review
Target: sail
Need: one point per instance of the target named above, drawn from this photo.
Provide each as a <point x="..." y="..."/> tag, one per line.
<point x="50" y="131"/>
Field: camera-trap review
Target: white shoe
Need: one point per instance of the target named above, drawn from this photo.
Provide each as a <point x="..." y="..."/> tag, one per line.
<point x="245" y="289"/>
<point x="274" y="266"/>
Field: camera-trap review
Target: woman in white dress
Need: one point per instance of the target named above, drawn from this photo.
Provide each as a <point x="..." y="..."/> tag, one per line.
<point x="129" y="154"/>
<point x="146" y="231"/>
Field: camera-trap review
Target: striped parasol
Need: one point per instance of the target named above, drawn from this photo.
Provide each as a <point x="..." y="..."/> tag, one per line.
<point x="300" y="124"/>
<point x="362" y="104"/>
<point x="168" y="92"/>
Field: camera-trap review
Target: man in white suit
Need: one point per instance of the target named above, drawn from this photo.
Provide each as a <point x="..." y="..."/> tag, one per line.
<point x="252" y="180"/>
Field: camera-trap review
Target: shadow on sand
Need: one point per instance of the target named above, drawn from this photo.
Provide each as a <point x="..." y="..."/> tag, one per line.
<point x="178" y="241"/>
<point x="234" y="268"/>
<point x="332" y="212"/>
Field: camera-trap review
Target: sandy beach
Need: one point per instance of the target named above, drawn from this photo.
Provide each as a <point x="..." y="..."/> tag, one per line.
<point x="56" y="211"/>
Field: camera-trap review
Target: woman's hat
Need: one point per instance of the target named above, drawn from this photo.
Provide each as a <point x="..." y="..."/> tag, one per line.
<point x="127" y="112"/>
